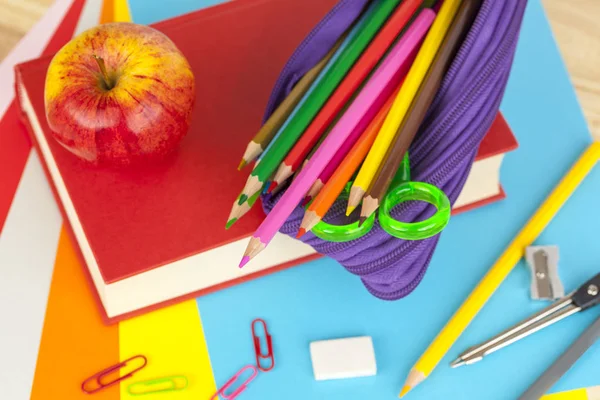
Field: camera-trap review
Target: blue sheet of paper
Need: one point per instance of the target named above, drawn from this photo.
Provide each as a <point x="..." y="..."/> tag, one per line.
<point x="151" y="11"/>
<point x="320" y="300"/>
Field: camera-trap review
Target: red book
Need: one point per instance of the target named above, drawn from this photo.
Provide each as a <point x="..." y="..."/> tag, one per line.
<point x="155" y="237"/>
<point x="483" y="183"/>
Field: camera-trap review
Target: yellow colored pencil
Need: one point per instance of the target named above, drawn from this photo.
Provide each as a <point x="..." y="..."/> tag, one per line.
<point x="492" y="280"/>
<point x="402" y="103"/>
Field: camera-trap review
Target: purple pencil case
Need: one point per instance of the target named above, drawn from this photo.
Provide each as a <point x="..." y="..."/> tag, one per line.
<point x="441" y="154"/>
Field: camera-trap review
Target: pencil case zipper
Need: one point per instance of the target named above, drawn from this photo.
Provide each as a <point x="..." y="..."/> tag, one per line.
<point x="468" y="98"/>
<point x="463" y="110"/>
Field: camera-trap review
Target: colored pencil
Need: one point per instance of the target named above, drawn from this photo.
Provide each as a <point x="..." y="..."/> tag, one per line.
<point x="500" y="270"/>
<point x="359" y="72"/>
<point x="279" y="187"/>
<point x="314" y="189"/>
<point x="339" y="115"/>
<point x="330" y="192"/>
<point x="314" y="149"/>
<point x="307" y="198"/>
<point x="239" y="210"/>
<point x="334" y="163"/>
<point x="402" y="103"/>
<point x="346" y="40"/>
<point x="358" y="116"/>
<point x="419" y="107"/>
<point x="318" y="184"/>
<point x="338" y="48"/>
<point x="266" y="133"/>
<point x="365" y="30"/>
<point x="319" y="143"/>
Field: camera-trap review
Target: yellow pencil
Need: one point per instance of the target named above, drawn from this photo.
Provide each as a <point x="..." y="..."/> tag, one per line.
<point x="402" y="103"/>
<point x="492" y="280"/>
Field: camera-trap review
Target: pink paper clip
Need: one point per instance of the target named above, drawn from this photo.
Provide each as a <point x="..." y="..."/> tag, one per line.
<point x="259" y="353"/>
<point x="99" y="380"/>
<point x="230" y="382"/>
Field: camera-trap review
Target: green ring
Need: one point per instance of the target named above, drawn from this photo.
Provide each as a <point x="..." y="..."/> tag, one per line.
<point x="343" y="233"/>
<point x="415" y="191"/>
<point x="346" y="233"/>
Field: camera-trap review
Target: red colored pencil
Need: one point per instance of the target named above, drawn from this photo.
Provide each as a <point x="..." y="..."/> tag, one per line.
<point x="368" y="60"/>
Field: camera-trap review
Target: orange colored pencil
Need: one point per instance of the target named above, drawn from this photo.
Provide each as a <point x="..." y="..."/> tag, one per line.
<point x="334" y="186"/>
<point x="389" y="33"/>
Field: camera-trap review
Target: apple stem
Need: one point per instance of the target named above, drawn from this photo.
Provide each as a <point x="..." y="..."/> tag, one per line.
<point x="102" y="67"/>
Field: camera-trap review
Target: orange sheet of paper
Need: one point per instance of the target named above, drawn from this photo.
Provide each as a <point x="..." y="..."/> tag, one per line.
<point x="75" y="342"/>
<point x="108" y="12"/>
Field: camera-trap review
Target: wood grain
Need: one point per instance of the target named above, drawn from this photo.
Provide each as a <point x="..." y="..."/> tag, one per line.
<point x="16" y="18"/>
<point x="576" y="28"/>
<point x="574" y="22"/>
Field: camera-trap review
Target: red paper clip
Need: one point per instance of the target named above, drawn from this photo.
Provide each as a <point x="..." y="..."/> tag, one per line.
<point x="259" y="354"/>
<point x="230" y="382"/>
<point x="97" y="378"/>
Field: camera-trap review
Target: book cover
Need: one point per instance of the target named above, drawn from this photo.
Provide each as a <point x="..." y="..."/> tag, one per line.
<point x="483" y="185"/>
<point x="155" y="236"/>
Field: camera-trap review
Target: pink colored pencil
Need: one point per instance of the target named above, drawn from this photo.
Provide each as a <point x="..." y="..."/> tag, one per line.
<point x="354" y="121"/>
<point x="333" y="164"/>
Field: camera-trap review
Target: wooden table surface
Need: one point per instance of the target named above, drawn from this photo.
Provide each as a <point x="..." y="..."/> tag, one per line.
<point x="574" y="22"/>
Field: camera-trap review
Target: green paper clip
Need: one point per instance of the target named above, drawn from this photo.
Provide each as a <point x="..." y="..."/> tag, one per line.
<point x="158" y="385"/>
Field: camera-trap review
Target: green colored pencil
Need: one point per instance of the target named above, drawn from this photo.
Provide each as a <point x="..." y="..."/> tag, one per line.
<point x="364" y="31"/>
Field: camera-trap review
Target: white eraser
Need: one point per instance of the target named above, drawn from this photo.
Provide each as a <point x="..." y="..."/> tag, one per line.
<point x="343" y="358"/>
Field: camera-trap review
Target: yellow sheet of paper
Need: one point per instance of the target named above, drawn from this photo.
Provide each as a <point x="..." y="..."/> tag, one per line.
<point x="592" y="393"/>
<point x="172" y="339"/>
<point x="121" y="10"/>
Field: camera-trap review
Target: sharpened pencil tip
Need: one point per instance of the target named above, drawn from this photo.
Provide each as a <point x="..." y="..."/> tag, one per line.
<point x="272" y="187"/>
<point x="230" y="223"/>
<point x="301" y="232"/>
<point x="361" y="220"/>
<point x="349" y="210"/>
<point x="242" y="199"/>
<point x="405" y="390"/>
<point x="243" y="163"/>
<point x="244" y="261"/>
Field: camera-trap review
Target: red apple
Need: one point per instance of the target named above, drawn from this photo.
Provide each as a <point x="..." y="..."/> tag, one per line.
<point x="119" y="94"/>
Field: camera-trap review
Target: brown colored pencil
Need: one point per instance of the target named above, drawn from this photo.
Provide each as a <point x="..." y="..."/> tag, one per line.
<point x="418" y="109"/>
<point x="266" y="133"/>
<point x="389" y="33"/>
